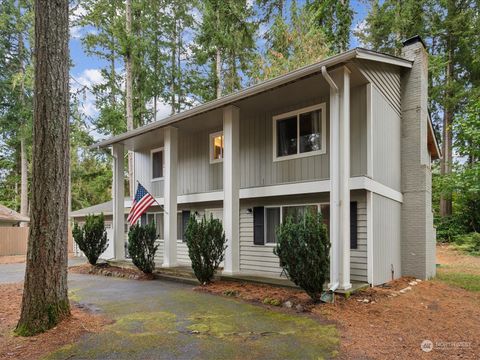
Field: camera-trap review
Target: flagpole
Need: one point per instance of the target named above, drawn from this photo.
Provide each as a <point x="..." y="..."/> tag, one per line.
<point x="154" y="198"/>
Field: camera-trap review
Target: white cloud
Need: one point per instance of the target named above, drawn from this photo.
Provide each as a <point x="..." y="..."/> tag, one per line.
<point x="84" y="83"/>
<point x="359" y="27"/>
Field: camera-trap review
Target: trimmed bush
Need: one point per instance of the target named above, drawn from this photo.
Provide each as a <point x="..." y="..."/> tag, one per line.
<point x="303" y="249"/>
<point x="92" y="237"/>
<point x="206" y="246"/>
<point x="141" y="246"/>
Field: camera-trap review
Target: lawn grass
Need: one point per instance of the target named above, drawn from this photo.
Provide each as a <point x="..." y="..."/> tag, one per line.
<point x="470" y="282"/>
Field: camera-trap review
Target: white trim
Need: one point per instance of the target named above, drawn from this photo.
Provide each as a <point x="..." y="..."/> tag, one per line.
<point x="388" y="59"/>
<point x="153" y="151"/>
<point x="210" y="140"/>
<point x="297" y="113"/>
<point x="281" y="206"/>
<point x="201" y="197"/>
<point x="362" y="182"/>
<point x="286" y="189"/>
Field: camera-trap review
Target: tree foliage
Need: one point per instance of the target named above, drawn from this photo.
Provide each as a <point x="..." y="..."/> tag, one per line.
<point x="91" y="238"/>
<point x="303" y="249"/>
<point x="206" y="246"/>
<point x="141" y="246"/>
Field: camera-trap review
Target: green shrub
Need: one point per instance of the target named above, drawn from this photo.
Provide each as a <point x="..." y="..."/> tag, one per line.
<point x="206" y="246"/>
<point x="92" y="237"/>
<point x="469" y="243"/>
<point x="141" y="246"/>
<point x="448" y="228"/>
<point x="303" y="249"/>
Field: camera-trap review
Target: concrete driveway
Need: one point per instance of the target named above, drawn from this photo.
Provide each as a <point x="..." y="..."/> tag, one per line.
<point x="166" y="320"/>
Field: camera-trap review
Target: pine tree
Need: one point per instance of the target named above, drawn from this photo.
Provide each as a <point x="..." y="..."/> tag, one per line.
<point x="45" y="297"/>
<point x="224" y="46"/>
<point x="334" y="17"/>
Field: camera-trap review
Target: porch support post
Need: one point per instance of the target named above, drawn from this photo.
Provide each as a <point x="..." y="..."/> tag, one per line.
<point x="170" y="197"/>
<point x="344" y="87"/>
<point x="231" y="187"/>
<point x="118" y="194"/>
<point x="334" y="184"/>
<point x="339" y="80"/>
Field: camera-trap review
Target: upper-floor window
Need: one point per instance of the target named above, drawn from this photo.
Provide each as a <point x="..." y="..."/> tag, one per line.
<point x="156" y="157"/>
<point x="216" y="147"/>
<point x="300" y="133"/>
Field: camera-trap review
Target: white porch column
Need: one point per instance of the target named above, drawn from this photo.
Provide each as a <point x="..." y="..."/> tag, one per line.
<point x="170" y="152"/>
<point x="118" y="195"/>
<point x="345" y="177"/>
<point x="231" y="187"/>
<point x="339" y="80"/>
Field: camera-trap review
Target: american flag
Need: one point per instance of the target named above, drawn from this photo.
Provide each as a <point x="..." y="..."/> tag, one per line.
<point x="140" y="204"/>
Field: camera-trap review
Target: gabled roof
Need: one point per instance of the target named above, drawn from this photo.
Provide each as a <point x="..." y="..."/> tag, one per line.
<point x="358" y="53"/>
<point x="106" y="208"/>
<point x="9" y="215"/>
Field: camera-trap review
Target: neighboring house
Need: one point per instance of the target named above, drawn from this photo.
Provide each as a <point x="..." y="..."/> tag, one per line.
<point x="9" y="217"/>
<point x="349" y="136"/>
<point x="106" y="209"/>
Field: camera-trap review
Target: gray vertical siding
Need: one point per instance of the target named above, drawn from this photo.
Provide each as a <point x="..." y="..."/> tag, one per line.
<point x="386" y="239"/>
<point x="358" y="131"/>
<point x="259" y="259"/>
<point x="387" y="134"/>
<point x="257" y="167"/>
<point x="195" y="173"/>
<point x="386" y="78"/>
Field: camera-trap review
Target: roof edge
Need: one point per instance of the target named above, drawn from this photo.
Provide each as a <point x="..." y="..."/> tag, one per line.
<point x="257" y="89"/>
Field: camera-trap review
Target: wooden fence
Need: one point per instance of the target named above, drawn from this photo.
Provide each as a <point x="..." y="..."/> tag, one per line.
<point x="13" y="240"/>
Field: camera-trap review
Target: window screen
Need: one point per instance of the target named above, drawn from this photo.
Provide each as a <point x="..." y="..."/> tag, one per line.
<point x="157" y="164"/>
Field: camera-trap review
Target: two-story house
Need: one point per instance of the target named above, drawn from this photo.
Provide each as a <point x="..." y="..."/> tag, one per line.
<point x="349" y="136"/>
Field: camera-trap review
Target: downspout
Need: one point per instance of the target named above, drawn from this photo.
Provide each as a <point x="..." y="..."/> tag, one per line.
<point x="335" y="110"/>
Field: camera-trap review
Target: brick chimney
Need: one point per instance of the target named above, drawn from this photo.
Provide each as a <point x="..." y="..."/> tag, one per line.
<point x="418" y="235"/>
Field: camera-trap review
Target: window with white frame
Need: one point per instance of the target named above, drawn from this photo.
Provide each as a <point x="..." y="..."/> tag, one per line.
<point x="157" y="218"/>
<point x="275" y="215"/>
<point x="300" y="133"/>
<point x="156" y="159"/>
<point x="216" y="147"/>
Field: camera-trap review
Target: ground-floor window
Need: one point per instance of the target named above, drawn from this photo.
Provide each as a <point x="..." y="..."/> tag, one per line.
<point x="156" y="217"/>
<point x="267" y="219"/>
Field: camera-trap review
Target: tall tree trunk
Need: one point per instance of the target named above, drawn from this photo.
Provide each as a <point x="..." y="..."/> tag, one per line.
<point x="129" y="89"/>
<point x="447" y="134"/>
<point x="218" y="62"/>
<point x="218" y="73"/>
<point x="45" y="296"/>
<point x="173" y="74"/>
<point x="23" y="150"/>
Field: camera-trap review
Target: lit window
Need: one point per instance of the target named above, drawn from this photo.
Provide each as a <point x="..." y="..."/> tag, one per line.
<point x="157" y="164"/>
<point x="300" y="133"/>
<point x="216" y="147"/>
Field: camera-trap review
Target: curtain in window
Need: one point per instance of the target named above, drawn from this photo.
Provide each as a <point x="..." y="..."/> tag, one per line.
<point x="287" y="136"/>
<point x="310" y="131"/>
<point x="272" y="223"/>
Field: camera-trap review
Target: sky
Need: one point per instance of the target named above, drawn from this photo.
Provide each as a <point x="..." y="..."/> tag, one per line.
<point x="86" y="69"/>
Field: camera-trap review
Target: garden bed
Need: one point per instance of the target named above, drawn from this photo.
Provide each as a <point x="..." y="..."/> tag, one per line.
<point x="388" y="321"/>
<point x="35" y="347"/>
<point x="105" y="269"/>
